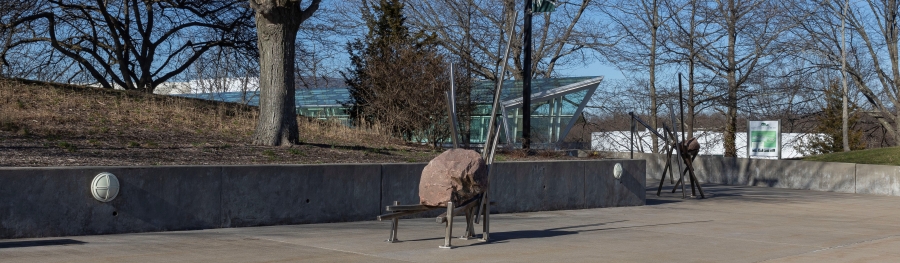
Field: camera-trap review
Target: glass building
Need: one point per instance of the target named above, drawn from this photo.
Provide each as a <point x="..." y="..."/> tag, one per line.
<point x="321" y="103"/>
<point x="556" y="104"/>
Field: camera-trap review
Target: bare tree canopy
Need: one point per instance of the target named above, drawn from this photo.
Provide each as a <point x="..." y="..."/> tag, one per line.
<point x="685" y="34"/>
<point x="136" y="44"/>
<point x="745" y="39"/>
<point x="639" y="24"/>
<point x="22" y="52"/>
<point x="473" y="30"/>
<point x="873" y="60"/>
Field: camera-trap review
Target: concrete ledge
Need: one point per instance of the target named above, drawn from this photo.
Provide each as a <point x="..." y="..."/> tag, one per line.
<point x="603" y="190"/>
<point x="300" y="194"/>
<point x="58" y="202"/>
<point x="791" y="174"/>
<point x="46" y="202"/>
<point x="878" y="179"/>
<point x="819" y="176"/>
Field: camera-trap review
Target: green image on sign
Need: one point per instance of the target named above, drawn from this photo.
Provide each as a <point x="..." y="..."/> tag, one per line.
<point x="768" y="139"/>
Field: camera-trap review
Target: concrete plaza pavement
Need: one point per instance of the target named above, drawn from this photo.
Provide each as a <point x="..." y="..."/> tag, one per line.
<point x="733" y="224"/>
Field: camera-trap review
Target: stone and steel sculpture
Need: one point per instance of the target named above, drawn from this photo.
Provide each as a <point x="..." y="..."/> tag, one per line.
<point x="454" y="176"/>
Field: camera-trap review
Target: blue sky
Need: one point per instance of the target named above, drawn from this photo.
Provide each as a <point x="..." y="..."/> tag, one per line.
<point x="595" y="69"/>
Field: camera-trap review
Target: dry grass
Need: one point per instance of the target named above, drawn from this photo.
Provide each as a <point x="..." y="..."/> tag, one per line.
<point x="46" y="124"/>
<point x="118" y="117"/>
<point x="127" y="118"/>
<point x="332" y="132"/>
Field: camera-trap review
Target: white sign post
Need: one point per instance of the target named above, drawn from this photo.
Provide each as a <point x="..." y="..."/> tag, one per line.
<point x="764" y="139"/>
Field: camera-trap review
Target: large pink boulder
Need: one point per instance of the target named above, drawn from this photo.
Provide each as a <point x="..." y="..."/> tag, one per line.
<point x="455" y="175"/>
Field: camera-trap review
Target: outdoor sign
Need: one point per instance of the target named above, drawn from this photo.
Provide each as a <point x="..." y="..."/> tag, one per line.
<point x="764" y="139"/>
<point x="538" y="6"/>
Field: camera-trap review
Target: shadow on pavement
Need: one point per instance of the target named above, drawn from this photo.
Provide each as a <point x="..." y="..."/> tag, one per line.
<point x="40" y="243"/>
<point x="501" y="237"/>
<point x="660" y="201"/>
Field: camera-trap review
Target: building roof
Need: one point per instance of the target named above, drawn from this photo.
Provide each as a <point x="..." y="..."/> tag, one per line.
<point x="512" y="89"/>
<point x="482" y="92"/>
<point x="315" y="97"/>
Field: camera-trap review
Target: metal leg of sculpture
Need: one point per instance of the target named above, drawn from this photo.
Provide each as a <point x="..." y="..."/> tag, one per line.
<point x="486" y="228"/>
<point x="449" y="226"/>
<point x="694" y="176"/>
<point x="662" y="180"/>
<point x="470" y="230"/>
<point x="394" y="223"/>
<point x="478" y="210"/>
<point x="678" y="183"/>
<point x="699" y="187"/>
<point x="693" y="181"/>
<point x="667" y="167"/>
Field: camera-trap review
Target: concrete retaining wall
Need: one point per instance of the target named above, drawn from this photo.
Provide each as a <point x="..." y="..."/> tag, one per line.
<point x="791" y="174"/>
<point x="44" y="202"/>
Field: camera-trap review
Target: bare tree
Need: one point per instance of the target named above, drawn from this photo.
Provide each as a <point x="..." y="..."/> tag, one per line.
<point x="873" y="60"/>
<point x="277" y="23"/>
<point x="321" y="43"/>
<point x="640" y="24"/>
<point x="10" y="11"/>
<point x="744" y="39"/>
<point x="137" y="44"/>
<point x="225" y="70"/>
<point x="473" y="30"/>
<point x="845" y="118"/>
<point x="685" y="33"/>
<point x="22" y="54"/>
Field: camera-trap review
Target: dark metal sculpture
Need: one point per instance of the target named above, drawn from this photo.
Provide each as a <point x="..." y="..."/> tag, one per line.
<point x="685" y="151"/>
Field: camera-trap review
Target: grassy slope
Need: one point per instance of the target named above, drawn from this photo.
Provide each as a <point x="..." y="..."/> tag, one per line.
<point x="46" y="110"/>
<point x="48" y="124"/>
<point x="882" y="156"/>
<point x="111" y="116"/>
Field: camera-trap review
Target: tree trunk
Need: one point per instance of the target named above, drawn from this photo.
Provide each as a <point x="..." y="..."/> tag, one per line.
<point x="692" y="60"/>
<point x="654" y="114"/>
<point x="277" y="124"/>
<point x="692" y="104"/>
<point x="845" y="117"/>
<point x="731" y="71"/>
<point x="731" y="118"/>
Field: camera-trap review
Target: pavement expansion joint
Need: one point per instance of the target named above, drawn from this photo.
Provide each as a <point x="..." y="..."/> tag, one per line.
<point x="325" y="248"/>
<point x="837" y="247"/>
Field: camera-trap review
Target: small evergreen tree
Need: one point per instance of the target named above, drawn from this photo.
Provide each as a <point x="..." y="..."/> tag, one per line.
<point x="829" y="123"/>
<point x="397" y="79"/>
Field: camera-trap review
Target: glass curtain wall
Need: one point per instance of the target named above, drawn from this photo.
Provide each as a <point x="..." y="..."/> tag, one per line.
<point x="549" y="118"/>
<point x="553" y="108"/>
<point x="554" y="103"/>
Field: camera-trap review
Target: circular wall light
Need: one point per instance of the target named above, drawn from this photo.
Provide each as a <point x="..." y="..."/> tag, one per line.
<point x="105" y="187"/>
<point x="617" y="171"/>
